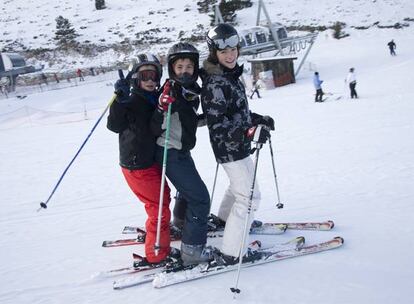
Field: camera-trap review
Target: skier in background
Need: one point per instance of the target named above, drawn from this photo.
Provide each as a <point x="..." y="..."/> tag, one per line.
<point x="392" y="46"/>
<point x="56" y="77"/>
<point x="351" y="81"/>
<point x="80" y="75"/>
<point x="193" y="202"/>
<point x="43" y="78"/>
<point x="255" y="88"/>
<point x="130" y="116"/>
<point x="232" y="128"/>
<point x="317" y="84"/>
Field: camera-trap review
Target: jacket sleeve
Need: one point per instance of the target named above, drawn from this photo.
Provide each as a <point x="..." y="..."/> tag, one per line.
<point x="215" y="109"/>
<point x="117" y="118"/>
<point x="156" y="123"/>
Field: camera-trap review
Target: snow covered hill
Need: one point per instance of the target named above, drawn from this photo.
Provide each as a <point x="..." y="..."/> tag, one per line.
<point x="30" y="24"/>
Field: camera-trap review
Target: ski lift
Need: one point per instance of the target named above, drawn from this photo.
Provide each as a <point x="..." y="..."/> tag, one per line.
<point x="12" y="65"/>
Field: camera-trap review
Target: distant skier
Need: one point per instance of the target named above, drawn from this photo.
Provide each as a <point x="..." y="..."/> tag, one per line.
<point x="351" y="80"/>
<point x="317" y="83"/>
<point x="392" y="47"/>
<point x="80" y="75"/>
<point x="255" y="89"/>
<point x="43" y="78"/>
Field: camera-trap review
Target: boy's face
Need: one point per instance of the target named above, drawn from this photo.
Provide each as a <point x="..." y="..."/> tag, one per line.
<point x="184" y="65"/>
<point x="148" y="82"/>
<point x="228" y="57"/>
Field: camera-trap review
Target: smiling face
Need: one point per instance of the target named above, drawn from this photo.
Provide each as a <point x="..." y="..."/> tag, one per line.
<point x="148" y="84"/>
<point x="228" y="57"/>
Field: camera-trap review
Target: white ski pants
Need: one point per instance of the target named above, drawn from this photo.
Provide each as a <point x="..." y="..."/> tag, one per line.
<point x="235" y="203"/>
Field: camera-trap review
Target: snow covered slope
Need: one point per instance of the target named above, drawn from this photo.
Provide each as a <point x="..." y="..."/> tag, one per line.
<point x="347" y="160"/>
<point x="350" y="161"/>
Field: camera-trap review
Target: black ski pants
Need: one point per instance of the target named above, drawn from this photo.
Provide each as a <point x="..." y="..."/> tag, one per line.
<point x="318" y="96"/>
<point x="352" y="86"/>
<point x="182" y="173"/>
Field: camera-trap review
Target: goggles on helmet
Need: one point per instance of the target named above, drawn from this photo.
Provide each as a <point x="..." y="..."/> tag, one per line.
<point x="146" y="75"/>
<point x="230" y="42"/>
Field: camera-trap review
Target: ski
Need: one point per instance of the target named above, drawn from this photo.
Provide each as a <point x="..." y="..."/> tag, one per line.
<point x="171" y="277"/>
<point x="140" y="239"/>
<point x="324" y="226"/>
<point x="139" y="265"/>
<point x="257" y="228"/>
<point x="148" y="276"/>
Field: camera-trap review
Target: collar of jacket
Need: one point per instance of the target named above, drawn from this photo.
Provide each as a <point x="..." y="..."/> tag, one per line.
<point x="217" y="69"/>
<point x="150" y="97"/>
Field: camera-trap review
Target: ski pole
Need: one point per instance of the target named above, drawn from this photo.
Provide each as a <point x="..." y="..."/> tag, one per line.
<point x="43" y="205"/>
<point x="214" y="184"/>
<point x="164" y="169"/>
<point x="246" y="222"/>
<point x="279" y="205"/>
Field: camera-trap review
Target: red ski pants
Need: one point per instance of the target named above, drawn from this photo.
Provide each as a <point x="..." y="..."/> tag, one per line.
<point x="146" y="185"/>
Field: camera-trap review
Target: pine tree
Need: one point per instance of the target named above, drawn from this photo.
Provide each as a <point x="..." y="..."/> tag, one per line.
<point x="229" y="7"/>
<point x="100" y="4"/>
<point x="338" y="33"/>
<point x="65" y="34"/>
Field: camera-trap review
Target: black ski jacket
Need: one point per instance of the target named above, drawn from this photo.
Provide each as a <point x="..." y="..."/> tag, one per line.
<point x="131" y="121"/>
<point x="184" y="119"/>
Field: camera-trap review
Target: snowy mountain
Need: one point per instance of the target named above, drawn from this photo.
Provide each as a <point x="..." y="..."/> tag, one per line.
<point x="107" y="35"/>
<point x="350" y="161"/>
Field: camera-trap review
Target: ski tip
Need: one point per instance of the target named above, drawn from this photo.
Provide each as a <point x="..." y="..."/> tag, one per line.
<point x="300" y="239"/>
<point x="283" y="227"/>
<point x="115" y="286"/>
<point x="104" y="244"/>
<point x="136" y="256"/>
<point x="339" y="239"/>
<point x="332" y="224"/>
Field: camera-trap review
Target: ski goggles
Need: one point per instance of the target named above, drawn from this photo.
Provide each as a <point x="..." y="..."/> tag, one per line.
<point x="147" y="75"/>
<point x="230" y="42"/>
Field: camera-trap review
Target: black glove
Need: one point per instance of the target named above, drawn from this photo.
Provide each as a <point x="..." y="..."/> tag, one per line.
<point x="267" y="121"/>
<point x="122" y="87"/>
<point x="258" y="134"/>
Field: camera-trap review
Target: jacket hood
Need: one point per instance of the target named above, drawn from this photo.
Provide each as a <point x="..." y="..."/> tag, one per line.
<point x="217" y="69"/>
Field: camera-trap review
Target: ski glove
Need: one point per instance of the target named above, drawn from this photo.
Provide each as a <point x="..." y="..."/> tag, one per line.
<point x="258" y="134"/>
<point x="165" y="99"/>
<point x="267" y="121"/>
<point x="122" y="87"/>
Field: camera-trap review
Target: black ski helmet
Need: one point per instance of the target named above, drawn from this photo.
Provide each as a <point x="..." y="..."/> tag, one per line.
<point x="220" y="37"/>
<point x="179" y="51"/>
<point x="139" y="61"/>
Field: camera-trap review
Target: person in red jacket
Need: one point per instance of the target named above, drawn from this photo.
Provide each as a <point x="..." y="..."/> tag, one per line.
<point x="130" y="116"/>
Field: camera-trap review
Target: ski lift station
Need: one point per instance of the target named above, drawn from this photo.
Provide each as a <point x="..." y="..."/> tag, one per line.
<point x="272" y="40"/>
<point x="12" y="65"/>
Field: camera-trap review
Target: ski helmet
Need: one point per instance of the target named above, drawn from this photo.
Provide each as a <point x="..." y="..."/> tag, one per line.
<point x="179" y="51"/>
<point x="139" y="61"/>
<point x="222" y="36"/>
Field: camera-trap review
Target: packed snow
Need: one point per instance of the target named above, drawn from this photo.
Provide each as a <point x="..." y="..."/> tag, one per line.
<point x="346" y="160"/>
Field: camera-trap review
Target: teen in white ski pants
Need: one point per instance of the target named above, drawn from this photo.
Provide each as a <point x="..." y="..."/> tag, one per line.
<point x="235" y="203"/>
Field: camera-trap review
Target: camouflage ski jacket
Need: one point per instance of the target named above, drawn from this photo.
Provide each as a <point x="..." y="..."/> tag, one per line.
<point x="225" y="106"/>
